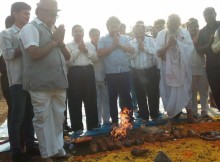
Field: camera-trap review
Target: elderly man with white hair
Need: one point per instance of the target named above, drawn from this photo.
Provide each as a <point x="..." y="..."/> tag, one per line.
<point x="174" y="46"/>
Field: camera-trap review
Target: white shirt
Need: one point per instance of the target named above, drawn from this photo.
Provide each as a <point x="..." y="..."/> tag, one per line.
<point x="9" y="42"/>
<point x="30" y="34"/>
<point x="216" y="43"/>
<point x="80" y="58"/>
<point x="144" y="59"/>
<point x="97" y="63"/>
<point x="198" y="64"/>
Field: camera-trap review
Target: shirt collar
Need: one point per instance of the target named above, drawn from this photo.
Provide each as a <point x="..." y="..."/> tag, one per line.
<point x="136" y="39"/>
<point x="15" y="29"/>
<point x="39" y="22"/>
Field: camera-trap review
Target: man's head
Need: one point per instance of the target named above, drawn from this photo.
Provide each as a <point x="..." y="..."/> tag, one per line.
<point x="139" y="32"/>
<point x="173" y="23"/>
<point x="139" y="22"/>
<point x="159" y="25"/>
<point x="113" y="24"/>
<point x="47" y="12"/>
<point x="94" y="35"/>
<point x="192" y="26"/>
<point x="20" y="13"/>
<point x="9" y="21"/>
<point x="77" y="33"/>
<point x="209" y="15"/>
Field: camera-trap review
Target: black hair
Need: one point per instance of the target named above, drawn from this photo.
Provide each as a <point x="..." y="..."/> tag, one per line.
<point x="93" y="30"/>
<point x="76" y="26"/>
<point x="17" y="7"/>
<point x="113" y="20"/>
<point x="9" y="21"/>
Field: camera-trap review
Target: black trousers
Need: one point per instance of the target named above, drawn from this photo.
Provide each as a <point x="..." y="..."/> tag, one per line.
<point x="119" y="86"/>
<point x="213" y="75"/>
<point x="82" y="89"/>
<point x="146" y="84"/>
<point x="6" y="94"/>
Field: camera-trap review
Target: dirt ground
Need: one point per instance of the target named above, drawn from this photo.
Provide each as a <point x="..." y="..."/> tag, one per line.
<point x="3" y="110"/>
<point x="82" y="152"/>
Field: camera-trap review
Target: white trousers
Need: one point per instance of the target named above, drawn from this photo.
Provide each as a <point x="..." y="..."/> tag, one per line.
<point x="49" y="107"/>
<point x="103" y="102"/>
<point x="200" y="84"/>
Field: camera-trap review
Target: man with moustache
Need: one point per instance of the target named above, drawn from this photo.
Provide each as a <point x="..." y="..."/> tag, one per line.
<point x="81" y="80"/>
<point x="44" y="76"/>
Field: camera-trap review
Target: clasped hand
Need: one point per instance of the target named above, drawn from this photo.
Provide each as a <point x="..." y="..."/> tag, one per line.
<point x="172" y="41"/>
<point x="82" y="47"/>
<point x="58" y="34"/>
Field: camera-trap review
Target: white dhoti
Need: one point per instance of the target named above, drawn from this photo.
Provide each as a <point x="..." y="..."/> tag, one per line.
<point x="174" y="98"/>
<point x="49" y="107"/>
<point x="176" y="76"/>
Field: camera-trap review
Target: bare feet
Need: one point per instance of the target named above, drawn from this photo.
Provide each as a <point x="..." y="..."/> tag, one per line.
<point x="191" y="120"/>
<point x="169" y="124"/>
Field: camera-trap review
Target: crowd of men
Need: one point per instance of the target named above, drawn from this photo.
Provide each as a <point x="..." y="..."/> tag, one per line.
<point x="43" y="75"/>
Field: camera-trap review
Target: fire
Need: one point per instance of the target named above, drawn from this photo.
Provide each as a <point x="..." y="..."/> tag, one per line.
<point x="121" y="131"/>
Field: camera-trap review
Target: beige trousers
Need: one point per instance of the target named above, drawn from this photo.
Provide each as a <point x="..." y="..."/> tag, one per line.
<point x="200" y="84"/>
<point x="49" y="107"/>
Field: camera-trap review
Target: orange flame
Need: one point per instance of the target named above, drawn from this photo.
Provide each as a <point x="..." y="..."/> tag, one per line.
<point x="121" y="131"/>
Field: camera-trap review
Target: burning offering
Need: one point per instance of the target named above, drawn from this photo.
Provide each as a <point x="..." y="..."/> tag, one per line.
<point x="120" y="132"/>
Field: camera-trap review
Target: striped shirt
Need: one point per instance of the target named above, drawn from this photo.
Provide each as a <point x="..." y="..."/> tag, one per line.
<point x="9" y="43"/>
<point x="146" y="58"/>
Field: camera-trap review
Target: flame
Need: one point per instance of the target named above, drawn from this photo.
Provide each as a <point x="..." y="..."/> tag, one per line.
<point x="121" y="131"/>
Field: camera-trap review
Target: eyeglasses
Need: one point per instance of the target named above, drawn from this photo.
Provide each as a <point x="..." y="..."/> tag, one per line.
<point x="52" y="14"/>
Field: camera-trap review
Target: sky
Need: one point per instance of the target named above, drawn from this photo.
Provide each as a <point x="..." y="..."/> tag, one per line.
<point x="94" y="13"/>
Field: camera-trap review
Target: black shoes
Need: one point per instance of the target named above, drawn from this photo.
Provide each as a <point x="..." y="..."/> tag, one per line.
<point x="20" y="157"/>
<point x="33" y="151"/>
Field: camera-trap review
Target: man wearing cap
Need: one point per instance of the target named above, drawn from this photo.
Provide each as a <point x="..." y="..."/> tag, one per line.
<point x="205" y="40"/>
<point x="44" y="76"/>
<point x="199" y="78"/>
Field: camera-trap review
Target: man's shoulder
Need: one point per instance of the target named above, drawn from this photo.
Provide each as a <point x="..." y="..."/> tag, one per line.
<point x="6" y="33"/>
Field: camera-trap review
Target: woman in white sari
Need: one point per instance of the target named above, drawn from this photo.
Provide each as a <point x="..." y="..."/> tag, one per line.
<point x="175" y="49"/>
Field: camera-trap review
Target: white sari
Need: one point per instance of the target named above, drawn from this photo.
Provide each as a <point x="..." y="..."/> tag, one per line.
<point x="176" y="78"/>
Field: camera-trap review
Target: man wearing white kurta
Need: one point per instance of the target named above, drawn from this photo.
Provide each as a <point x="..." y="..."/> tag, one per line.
<point x="175" y="48"/>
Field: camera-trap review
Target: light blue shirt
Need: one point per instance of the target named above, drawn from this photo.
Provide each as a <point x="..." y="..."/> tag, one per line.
<point x="118" y="60"/>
